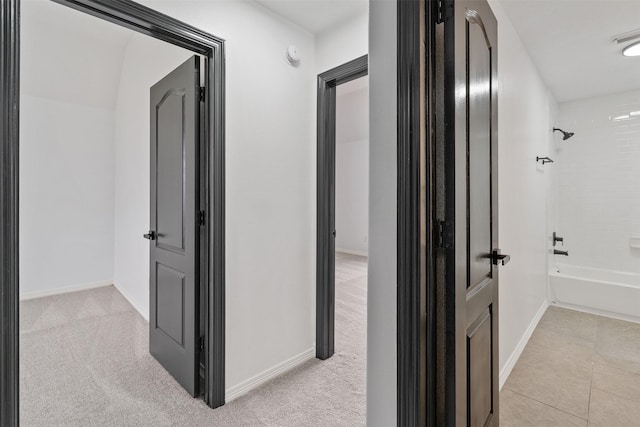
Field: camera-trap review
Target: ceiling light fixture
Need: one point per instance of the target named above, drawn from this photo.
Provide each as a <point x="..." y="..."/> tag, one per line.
<point x="632" y="50"/>
<point x="625" y="37"/>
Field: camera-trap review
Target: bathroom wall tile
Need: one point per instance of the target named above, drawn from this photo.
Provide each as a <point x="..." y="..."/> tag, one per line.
<point x="597" y="182"/>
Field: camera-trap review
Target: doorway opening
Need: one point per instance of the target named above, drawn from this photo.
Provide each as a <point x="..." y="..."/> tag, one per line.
<point x="87" y="168"/>
<point x="60" y="168"/>
<point x="342" y="222"/>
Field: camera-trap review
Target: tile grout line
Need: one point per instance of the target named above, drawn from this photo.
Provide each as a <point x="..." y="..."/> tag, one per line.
<point x="593" y="364"/>
<point x="546" y="404"/>
<point x="590" y="391"/>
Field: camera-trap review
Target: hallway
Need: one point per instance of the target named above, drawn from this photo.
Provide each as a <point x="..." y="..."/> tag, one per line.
<point x="578" y="369"/>
<point x="85" y="361"/>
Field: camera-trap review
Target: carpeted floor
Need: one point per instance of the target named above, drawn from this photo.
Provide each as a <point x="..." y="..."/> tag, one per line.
<point x="85" y="362"/>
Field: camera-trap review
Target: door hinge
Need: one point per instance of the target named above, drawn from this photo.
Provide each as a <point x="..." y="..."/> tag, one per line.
<point x="202" y="218"/>
<point x="201" y="344"/>
<point x="202" y="93"/>
<point x="444" y="234"/>
<point x="444" y="9"/>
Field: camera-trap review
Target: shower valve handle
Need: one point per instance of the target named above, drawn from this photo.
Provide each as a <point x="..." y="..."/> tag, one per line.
<point x="557" y="239"/>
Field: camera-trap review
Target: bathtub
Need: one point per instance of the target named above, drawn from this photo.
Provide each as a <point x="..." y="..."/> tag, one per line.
<point x="599" y="291"/>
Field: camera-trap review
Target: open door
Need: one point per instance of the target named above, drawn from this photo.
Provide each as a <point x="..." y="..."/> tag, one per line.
<point x="469" y="44"/>
<point x="174" y="255"/>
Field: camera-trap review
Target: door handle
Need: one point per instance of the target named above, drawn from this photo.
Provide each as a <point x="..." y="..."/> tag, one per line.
<point x="150" y="236"/>
<point x="333" y="233"/>
<point x="497" y="257"/>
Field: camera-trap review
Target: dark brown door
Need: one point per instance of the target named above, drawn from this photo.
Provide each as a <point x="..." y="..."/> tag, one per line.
<point x="173" y="320"/>
<point x="470" y="53"/>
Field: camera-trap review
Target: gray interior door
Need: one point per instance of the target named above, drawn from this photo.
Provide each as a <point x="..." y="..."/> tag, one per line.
<point x="174" y="303"/>
<point x="472" y="55"/>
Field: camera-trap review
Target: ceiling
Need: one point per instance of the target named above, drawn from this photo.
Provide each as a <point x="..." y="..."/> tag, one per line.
<point x="70" y="56"/>
<point x="570" y="43"/>
<point x="316" y="16"/>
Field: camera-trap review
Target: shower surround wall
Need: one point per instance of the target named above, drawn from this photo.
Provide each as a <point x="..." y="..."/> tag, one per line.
<point x="597" y="198"/>
<point x="598" y="182"/>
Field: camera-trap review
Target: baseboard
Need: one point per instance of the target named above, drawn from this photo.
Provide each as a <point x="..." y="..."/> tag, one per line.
<point x="65" y="290"/>
<point x="513" y="359"/>
<point x="352" y="252"/>
<point x="145" y="316"/>
<point x="246" y="386"/>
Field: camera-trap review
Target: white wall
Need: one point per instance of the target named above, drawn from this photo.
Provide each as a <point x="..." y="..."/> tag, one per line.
<point x="69" y="56"/>
<point x="352" y="167"/>
<point x="342" y="43"/>
<point x="66" y="195"/>
<point x="382" y="283"/>
<point x="70" y="67"/>
<point x="270" y="166"/>
<point x="598" y="185"/>
<point x="146" y="61"/>
<point x="524" y="108"/>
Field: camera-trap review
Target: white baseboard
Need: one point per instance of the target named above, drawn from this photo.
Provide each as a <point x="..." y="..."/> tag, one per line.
<point x="64" y="290"/>
<point x="513" y="359"/>
<point x="144" y="315"/>
<point x="246" y="386"/>
<point x="352" y="252"/>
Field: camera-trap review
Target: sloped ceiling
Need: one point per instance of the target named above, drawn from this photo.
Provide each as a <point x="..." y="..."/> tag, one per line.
<point x="70" y="56"/>
<point x="73" y="57"/>
<point x="570" y="43"/>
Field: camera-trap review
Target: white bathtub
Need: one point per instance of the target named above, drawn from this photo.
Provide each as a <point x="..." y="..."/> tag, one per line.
<point x="606" y="292"/>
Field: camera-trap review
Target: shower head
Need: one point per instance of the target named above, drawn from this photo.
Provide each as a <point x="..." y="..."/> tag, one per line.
<point x="566" y="135"/>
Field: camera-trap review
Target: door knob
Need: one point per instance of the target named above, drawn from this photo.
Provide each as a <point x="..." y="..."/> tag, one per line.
<point x="333" y="233"/>
<point x="497" y="257"/>
<point x="150" y="236"/>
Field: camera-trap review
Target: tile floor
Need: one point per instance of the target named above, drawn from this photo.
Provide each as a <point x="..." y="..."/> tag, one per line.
<point x="578" y="369"/>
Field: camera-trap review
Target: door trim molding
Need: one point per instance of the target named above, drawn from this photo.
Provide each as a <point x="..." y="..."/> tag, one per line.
<point x="155" y="24"/>
<point x="325" y="203"/>
<point x="416" y="288"/>
<point x="9" y="161"/>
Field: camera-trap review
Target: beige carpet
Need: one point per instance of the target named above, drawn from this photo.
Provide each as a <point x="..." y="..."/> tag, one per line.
<point x="85" y="362"/>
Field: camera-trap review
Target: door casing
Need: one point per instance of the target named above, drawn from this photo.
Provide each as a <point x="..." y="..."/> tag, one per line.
<point x="151" y="23"/>
<point x="326" y="184"/>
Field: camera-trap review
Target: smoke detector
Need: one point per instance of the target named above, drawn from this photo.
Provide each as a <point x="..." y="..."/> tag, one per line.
<point x="292" y="54"/>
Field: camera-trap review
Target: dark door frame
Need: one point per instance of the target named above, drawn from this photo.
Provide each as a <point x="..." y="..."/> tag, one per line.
<point x="326" y="212"/>
<point x="416" y="289"/>
<point x="416" y="303"/>
<point x="152" y="23"/>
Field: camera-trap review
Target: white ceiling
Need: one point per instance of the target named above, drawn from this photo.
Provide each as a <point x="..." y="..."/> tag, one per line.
<point x="570" y="43"/>
<point x="316" y="16"/>
<point x="70" y="56"/>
